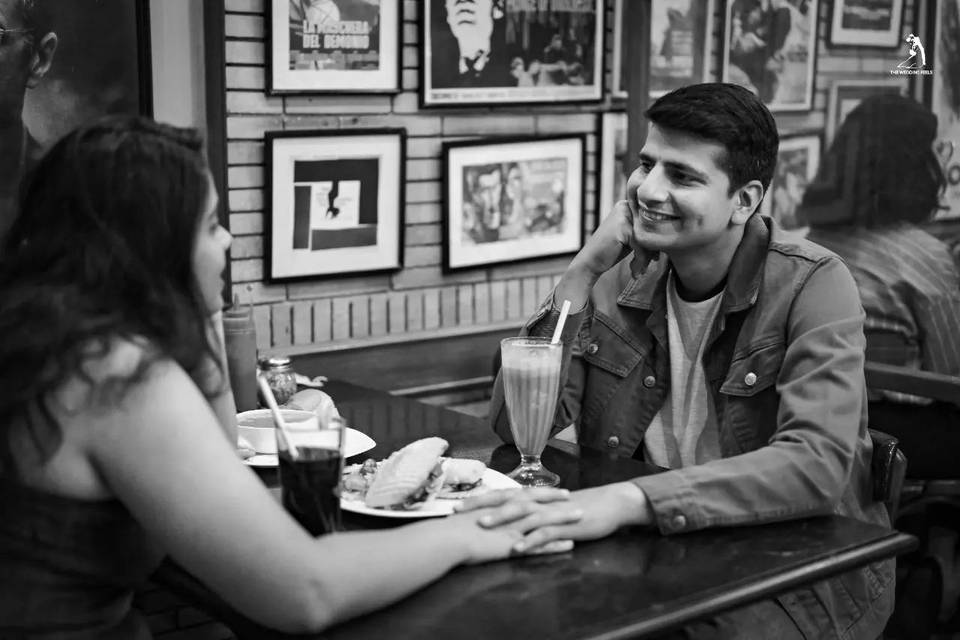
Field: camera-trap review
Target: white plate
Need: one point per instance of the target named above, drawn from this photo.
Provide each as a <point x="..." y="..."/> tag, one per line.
<point x="354" y="442"/>
<point x="433" y="506"/>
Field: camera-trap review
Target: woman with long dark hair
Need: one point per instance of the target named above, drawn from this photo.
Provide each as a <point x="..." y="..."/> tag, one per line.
<point x="111" y="451"/>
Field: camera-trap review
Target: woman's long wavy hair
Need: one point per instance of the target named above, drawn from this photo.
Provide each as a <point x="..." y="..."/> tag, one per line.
<point x="881" y="169"/>
<point x="102" y="251"/>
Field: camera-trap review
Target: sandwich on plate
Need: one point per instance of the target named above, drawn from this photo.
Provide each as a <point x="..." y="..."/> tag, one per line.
<point x="409" y="476"/>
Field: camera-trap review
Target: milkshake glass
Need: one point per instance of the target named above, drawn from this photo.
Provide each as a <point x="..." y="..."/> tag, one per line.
<point x="531" y="384"/>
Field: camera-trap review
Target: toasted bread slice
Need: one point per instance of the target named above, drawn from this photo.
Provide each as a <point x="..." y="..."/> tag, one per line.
<point x="407" y="476"/>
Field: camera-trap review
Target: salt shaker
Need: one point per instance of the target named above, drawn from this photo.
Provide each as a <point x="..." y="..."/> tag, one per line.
<point x="280" y="377"/>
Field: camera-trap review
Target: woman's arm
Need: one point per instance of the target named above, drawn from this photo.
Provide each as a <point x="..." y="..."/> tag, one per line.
<point x="163" y="455"/>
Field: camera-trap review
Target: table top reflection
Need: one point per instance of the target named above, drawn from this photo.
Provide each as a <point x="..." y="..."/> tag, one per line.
<point x="632" y="584"/>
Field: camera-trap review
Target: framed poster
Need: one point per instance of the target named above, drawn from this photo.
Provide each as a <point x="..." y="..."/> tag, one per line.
<point x="797" y="163"/>
<point x="336" y="202"/>
<point x="679" y="33"/>
<point x="845" y="95"/>
<point x="334" y="46"/>
<point x="64" y="84"/>
<point x="946" y="102"/>
<point x="614" y="168"/>
<point x="771" y="50"/>
<point x="515" y="199"/>
<point x="866" y="23"/>
<point x="483" y="52"/>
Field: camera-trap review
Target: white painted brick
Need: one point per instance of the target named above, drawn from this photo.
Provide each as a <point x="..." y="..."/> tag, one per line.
<point x="337" y="104"/>
<point x="567" y="123"/>
<point x="255" y="102"/>
<point x="448" y="307"/>
<point x="411" y="10"/>
<point x="238" y="77"/>
<point x="246" y="200"/>
<point x="465" y="305"/>
<point x="514" y="300"/>
<point x="428" y="191"/>
<point x="311" y="122"/>
<point x="406" y="102"/>
<point x="547" y="266"/>
<point x="397" y="310"/>
<point x="246" y="270"/>
<point x="414" y="125"/>
<point x="410" y="79"/>
<point x="528" y="296"/>
<point x="261" y="324"/>
<point x="245" y="177"/>
<point x="411" y="33"/>
<point x="244" y="6"/>
<point x="836" y="64"/>
<point x="544" y="287"/>
<point x="422" y="256"/>
<point x="481" y="303"/>
<point x="251" y="127"/>
<point x="243" y="26"/>
<point x="260" y="292"/>
<point x="378" y="314"/>
<point x="498" y="301"/>
<point x="431" y="309"/>
<point x="345" y="286"/>
<point x="245" y="153"/>
<point x="246" y="223"/>
<point x="341" y="319"/>
<point x="422" y="213"/>
<point x="280" y="324"/>
<point x="302" y="323"/>
<point x="323" y="321"/>
<point x="423" y="170"/>
<point x="411" y="57"/>
<point x="359" y="317"/>
<point x="246" y="247"/>
<point x="423" y="148"/>
<point x="488" y="125"/>
<point x="420" y="234"/>
<point x="244" y="52"/>
<point x="414" y="311"/>
<point x="433" y="276"/>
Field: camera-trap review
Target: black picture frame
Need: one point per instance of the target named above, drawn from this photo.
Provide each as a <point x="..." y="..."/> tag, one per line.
<point x="382" y="22"/>
<point x="866" y="28"/>
<point x="510" y="70"/>
<point x="550" y="221"/>
<point x="798" y="159"/>
<point x="76" y="90"/>
<point x="336" y="163"/>
<point x="774" y="76"/>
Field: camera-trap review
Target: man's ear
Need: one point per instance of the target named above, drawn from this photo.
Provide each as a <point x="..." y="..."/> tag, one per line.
<point x="748" y="199"/>
<point x="43" y="53"/>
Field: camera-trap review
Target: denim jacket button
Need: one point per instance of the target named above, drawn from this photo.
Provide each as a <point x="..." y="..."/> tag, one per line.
<point x="750" y="379"/>
<point x="593" y="348"/>
<point x="613" y="442"/>
<point x="649" y="381"/>
<point x="679" y="521"/>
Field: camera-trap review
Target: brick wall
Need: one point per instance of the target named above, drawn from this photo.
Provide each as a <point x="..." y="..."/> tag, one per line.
<point x="315" y="315"/>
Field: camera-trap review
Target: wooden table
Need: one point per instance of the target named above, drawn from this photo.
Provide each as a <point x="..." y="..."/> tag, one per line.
<point x="632" y="584"/>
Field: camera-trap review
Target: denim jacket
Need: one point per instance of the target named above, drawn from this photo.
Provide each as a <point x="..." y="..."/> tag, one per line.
<point x="784" y="367"/>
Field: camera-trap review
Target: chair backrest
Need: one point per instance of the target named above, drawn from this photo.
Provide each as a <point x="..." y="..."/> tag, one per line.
<point x="889" y="464"/>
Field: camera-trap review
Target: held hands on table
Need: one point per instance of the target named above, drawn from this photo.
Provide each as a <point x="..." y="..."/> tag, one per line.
<point x="546" y="516"/>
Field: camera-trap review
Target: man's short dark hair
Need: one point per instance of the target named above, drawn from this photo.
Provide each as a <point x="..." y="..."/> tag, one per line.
<point x="36" y="16"/>
<point x="730" y="115"/>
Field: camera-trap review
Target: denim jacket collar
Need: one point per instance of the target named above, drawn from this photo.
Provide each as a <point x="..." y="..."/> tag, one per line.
<point x="743" y="278"/>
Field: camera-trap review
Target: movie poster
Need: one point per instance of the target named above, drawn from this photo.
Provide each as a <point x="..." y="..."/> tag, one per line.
<point x="483" y="51"/>
<point x="946" y="102"/>
<point x="334" y="45"/>
<point x="770" y="49"/>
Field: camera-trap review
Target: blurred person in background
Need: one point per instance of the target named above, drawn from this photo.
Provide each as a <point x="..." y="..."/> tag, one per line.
<point x="111" y="450"/>
<point x="878" y="183"/>
<point x="27" y="49"/>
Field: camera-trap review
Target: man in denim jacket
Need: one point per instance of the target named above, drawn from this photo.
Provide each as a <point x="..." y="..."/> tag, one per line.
<point x="704" y="341"/>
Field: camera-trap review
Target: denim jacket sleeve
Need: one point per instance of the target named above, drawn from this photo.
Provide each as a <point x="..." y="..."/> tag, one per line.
<point x="544" y="323"/>
<point x="807" y="463"/>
